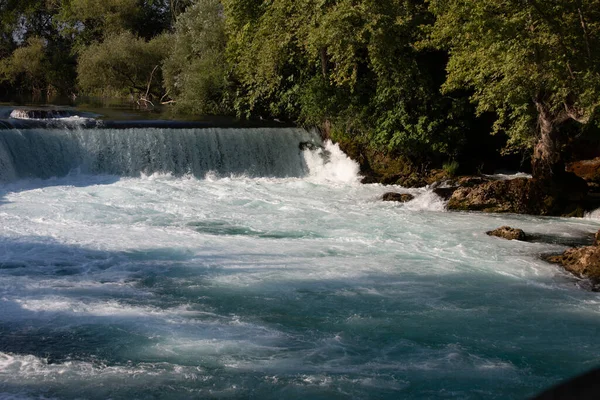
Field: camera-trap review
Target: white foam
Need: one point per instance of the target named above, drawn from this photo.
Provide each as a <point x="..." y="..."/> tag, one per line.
<point x="427" y="200"/>
<point x="592" y="215"/>
<point x="330" y="164"/>
<point x="29" y="368"/>
<point x="114" y="309"/>
<point x="176" y="259"/>
<point x="509" y="176"/>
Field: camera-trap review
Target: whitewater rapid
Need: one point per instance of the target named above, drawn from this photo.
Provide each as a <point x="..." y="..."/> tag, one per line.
<point x="295" y="281"/>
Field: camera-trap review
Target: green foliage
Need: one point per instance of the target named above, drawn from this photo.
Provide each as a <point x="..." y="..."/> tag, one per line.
<point x="523" y="59"/>
<point x="404" y="77"/>
<point x="451" y="168"/>
<point x="352" y="63"/>
<point x="27" y="65"/>
<point x="90" y="21"/>
<point x="124" y="64"/>
<point x="196" y="71"/>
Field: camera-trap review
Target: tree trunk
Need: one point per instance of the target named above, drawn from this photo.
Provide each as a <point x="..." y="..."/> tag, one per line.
<point x="547" y="159"/>
<point x="556" y="191"/>
<point x="324" y="62"/>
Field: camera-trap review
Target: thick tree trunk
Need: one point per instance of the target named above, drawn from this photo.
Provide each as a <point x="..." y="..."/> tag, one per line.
<point x="547" y="159"/>
<point x="556" y="191"/>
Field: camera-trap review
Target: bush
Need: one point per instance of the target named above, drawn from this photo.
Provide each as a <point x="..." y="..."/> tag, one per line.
<point x="451" y="168"/>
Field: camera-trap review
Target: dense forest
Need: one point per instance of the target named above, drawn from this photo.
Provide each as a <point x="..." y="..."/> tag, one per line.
<point x="428" y="82"/>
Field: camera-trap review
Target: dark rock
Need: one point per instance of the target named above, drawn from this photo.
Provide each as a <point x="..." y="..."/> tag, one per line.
<point x="445" y="192"/>
<point x="367" y="179"/>
<point x="309" y="146"/>
<point x="583" y="262"/>
<point x="399" y="197"/>
<point x="437" y="176"/>
<point x="566" y="197"/>
<point x="589" y="170"/>
<point x="596" y="239"/>
<point x="496" y="196"/>
<point x="41" y="113"/>
<point x="471" y="181"/>
<point x="506" y="232"/>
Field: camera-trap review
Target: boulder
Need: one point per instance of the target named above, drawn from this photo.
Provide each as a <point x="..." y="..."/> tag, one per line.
<point x="506" y="232"/>
<point x="583" y="262"/>
<point x="566" y="197"/>
<point x="495" y="196"/>
<point x="596" y="239"/>
<point x="471" y="181"/>
<point x="445" y="192"/>
<point x="589" y="170"/>
<point x="399" y="197"/>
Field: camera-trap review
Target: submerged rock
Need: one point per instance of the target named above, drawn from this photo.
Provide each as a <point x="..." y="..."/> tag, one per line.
<point x="399" y="197"/>
<point x="506" y="232"/>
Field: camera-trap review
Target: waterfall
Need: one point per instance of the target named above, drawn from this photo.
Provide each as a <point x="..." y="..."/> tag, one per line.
<point x="254" y="152"/>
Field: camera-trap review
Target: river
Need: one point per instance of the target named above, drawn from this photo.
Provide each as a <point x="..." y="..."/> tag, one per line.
<point x="230" y="263"/>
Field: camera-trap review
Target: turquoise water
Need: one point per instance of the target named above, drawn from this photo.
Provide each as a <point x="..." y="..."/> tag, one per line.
<point x="290" y="280"/>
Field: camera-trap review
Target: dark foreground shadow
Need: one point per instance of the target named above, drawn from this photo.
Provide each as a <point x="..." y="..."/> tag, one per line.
<point x="471" y="334"/>
<point x="583" y="387"/>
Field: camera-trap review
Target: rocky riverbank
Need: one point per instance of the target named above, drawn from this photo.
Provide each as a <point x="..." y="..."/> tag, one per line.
<point x="572" y="192"/>
<point x="582" y="261"/>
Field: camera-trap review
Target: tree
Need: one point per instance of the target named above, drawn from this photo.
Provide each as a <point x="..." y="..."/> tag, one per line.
<point x="196" y="73"/>
<point x="27" y="66"/>
<point x="352" y="63"/>
<point x="36" y="57"/>
<point x="536" y="64"/>
<point x="124" y="64"/>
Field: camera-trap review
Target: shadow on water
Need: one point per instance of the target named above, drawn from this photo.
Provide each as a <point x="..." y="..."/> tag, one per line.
<point x="73" y="180"/>
<point x="474" y="335"/>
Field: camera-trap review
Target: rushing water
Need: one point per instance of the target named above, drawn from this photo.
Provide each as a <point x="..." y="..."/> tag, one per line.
<point x="232" y="264"/>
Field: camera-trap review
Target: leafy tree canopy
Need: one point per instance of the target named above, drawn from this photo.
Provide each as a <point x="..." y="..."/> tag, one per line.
<point x="353" y="63"/>
<point x="536" y="64"/>
<point x="196" y="71"/>
<point x="124" y="64"/>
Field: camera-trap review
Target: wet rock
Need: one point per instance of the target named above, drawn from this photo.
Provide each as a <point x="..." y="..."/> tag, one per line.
<point x="368" y="179"/>
<point x="445" y="192"/>
<point x="41" y="113"/>
<point x="565" y="197"/>
<point x="471" y="181"/>
<point x="589" y="170"/>
<point x="583" y="262"/>
<point x="309" y="146"/>
<point x="506" y="232"/>
<point x="596" y="239"/>
<point x="399" y="197"/>
<point x="495" y="196"/>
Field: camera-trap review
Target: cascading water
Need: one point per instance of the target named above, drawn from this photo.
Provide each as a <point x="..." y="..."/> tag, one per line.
<point x="229" y="263"/>
<point x="45" y="153"/>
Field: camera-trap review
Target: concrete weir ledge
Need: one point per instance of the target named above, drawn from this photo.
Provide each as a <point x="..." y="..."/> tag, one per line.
<point x="36" y="118"/>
